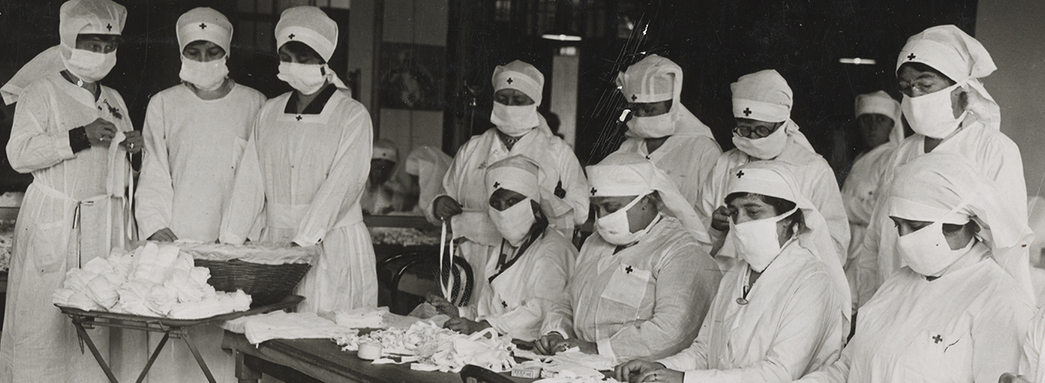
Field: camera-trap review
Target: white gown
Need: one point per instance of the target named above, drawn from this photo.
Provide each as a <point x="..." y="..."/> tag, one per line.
<point x="192" y="148"/>
<point x="301" y="175"/>
<point x="687" y="157"/>
<point x="966" y="326"/>
<point x="791" y="325"/>
<point x="645" y="301"/>
<point x="517" y="300"/>
<point x="811" y="171"/>
<point x="1032" y="366"/>
<point x="87" y="189"/>
<point x="465" y="183"/>
<point x="999" y="160"/>
<point x="860" y="195"/>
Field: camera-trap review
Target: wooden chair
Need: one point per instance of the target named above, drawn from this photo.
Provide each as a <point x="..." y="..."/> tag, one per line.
<point x="425" y="266"/>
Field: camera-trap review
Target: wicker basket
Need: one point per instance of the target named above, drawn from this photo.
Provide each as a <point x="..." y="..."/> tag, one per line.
<point x="268" y="272"/>
<point x="266" y="284"/>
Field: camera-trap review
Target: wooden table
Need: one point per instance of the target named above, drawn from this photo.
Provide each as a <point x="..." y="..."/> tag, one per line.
<point x="171" y="328"/>
<point x="320" y="360"/>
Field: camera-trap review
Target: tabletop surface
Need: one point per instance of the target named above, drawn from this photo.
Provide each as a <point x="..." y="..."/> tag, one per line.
<point x="288" y="302"/>
<point x="324" y="360"/>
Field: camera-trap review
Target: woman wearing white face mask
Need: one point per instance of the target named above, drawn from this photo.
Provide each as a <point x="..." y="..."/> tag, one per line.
<point x="519" y="130"/>
<point x="762" y="108"/>
<point x="301" y="168"/>
<point x="953" y="313"/>
<point x="939" y="73"/>
<point x="73" y="134"/>
<point x="195" y="134"/>
<point x="528" y="271"/>
<point x="782" y="310"/>
<point x="662" y="129"/>
<point x="642" y="283"/>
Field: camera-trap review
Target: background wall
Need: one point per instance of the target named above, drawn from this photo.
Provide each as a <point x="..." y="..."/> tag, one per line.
<point x="1012" y="31"/>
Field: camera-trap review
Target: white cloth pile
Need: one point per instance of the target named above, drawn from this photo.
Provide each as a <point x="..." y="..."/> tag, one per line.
<point x="439" y="349"/>
<point x="283" y="325"/>
<point x="151" y="281"/>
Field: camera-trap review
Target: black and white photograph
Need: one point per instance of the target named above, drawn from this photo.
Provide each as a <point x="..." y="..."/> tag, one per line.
<point x="516" y="191"/>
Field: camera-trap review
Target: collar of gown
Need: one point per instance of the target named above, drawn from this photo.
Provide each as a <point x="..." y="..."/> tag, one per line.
<point x="315" y="107"/>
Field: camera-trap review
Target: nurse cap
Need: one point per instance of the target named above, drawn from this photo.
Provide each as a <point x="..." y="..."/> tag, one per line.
<point x="652" y="79"/>
<point x="763" y="96"/>
<point x="516" y="173"/>
<point x="385" y="149"/>
<point x="519" y="76"/>
<point x="881" y="103"/>
<point x="308" y="25"/>
<point x="204" y="24"/>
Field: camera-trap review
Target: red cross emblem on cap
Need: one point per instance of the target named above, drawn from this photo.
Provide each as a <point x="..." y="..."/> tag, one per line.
<point x="634" y="97"/>
<point x="496" y="185"/>
<point x="592" y="191"/>
<point x="740" y="174"/>
<point x="747" y="111"/>
<point x="291" y="36"/>
<point x="510" y="80"/>
<point x="203" y="25"/>
<point x="911" y="56"/>
<point x="108" y="27"/>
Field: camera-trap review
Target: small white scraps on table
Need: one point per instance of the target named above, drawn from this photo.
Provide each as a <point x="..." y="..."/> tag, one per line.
<point x="432" y="348"/>
<point x="570" y="366"/>
<point x="156" y="281"/>
<point x="284" y="325"/>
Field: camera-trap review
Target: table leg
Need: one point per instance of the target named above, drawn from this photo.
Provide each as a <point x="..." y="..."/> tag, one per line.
<point x="94" y="351"/>
<point x="199" y="358"/>
<point x="246" y="371"/>
<point x="156" y="353"/>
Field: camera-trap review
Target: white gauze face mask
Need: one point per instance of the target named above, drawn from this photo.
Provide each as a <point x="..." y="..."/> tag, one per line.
<point x="515" y="222"/>
<point x="926" y="250"/>
<point x="652" y="127"/>
<point x="514" y="120"/>
<point x="614" y="227"/>
<point x="756" y="241"/>
<point x="305" y="78"/>
<point x="765" y="148"/>
<point x="209" y="75"/>
<point x="89" y="66"/>
<point x="932" y="115"/>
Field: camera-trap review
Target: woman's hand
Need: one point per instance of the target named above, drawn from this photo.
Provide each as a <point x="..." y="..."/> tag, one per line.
<point x="550" y="343"/>
<point x="444" y="306"/>
<point x="720" y="219"/>
<point x="100" y="132"/>
<point x="631" y="371"/>
<point x="662" y="375"/>
<point x="585" y="347"/>
<point x="465" y="326"/>
<point x="446" y="207"/>
<point x="163" y="235"/>
<point x="134" y="142"/>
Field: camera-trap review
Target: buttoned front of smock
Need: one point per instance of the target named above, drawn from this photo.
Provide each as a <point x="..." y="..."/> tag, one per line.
<point x="790" y="324"/>
<point x="301" y="177"/>
<point x="645" y="301"/>
<point x="965" y="326"/>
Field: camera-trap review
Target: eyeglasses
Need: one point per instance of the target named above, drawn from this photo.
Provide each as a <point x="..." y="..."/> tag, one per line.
<point x="760" y="131"/>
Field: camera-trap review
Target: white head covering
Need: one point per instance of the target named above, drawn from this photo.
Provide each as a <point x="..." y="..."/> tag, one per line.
<point x="310" y="26"/>
<point x="385" y="149"/>
<point x="629" y="174"/>
<point x="102" y="17"/>
<point x="519" y="76"/>
<point x="204" y="24"/>
<point x="429" y="165"/>
<point x="775" y="179"/>
<point x="929" y="186"/>
<point x="656" y="79"/>
<point x="958" y="56"/>
<point x="516" y="173"/>
<point x="765" y="96"/>
<point x="881" y="103"/>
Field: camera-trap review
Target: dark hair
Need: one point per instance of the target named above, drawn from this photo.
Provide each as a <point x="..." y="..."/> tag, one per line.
<point x="298" y="48"/>
<point x="780" y="205"/>
<point x="924" y="68"/>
